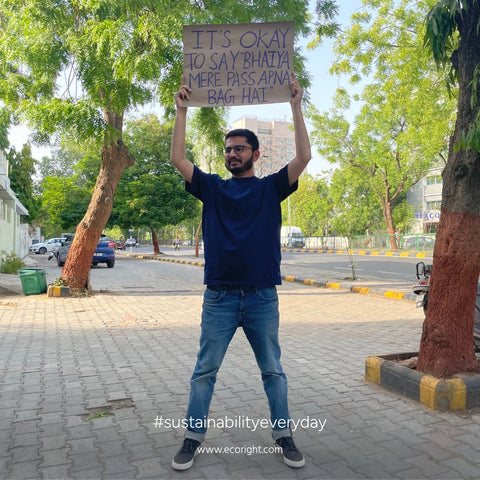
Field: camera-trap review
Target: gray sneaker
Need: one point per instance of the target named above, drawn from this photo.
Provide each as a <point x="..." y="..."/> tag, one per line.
<point x="291" y="455"/>
<point x="183" y="460"/>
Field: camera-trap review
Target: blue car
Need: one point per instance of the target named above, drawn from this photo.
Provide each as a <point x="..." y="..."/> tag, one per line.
<point x="104" y="253"/>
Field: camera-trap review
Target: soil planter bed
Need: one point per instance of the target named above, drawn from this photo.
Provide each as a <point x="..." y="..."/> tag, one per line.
<point x="396" y="372"/>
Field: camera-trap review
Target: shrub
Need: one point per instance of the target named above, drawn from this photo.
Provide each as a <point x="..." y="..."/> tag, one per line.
<point x="10" y="263"/>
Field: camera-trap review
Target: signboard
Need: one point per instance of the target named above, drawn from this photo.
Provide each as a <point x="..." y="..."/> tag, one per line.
<point x="243" y="64"/>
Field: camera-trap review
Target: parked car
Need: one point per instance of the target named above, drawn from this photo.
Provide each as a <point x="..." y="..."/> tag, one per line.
<point x="104" y="253"/>
<point x="292" y="237"/>
<point x="49" y="246"/>
<point x="120" y="245"/>
<point x="419" y="243"/>
<point x="131" y="242"/>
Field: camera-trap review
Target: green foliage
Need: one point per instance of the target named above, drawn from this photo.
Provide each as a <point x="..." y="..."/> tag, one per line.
<point x="356" y="210"/>
<point x="403" y="215"/>
<point x="10" y="263"/>
<point x="310" y="206"/>
<point x="326" y="12"/>
<point x="405" y="117"/>
<point x="64" y="202"/>
<point x="21" y="173"/>
<point x="443" y="37"/>
<point x="151" y="193"/>
<point x="4" y="125"/>
<point x="207" y="136"/>
<point x="68" y="66"/>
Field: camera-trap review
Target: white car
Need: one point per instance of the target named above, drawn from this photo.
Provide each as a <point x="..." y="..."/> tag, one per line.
<point x="131" y="242"/>
<point x="49" y="246"/>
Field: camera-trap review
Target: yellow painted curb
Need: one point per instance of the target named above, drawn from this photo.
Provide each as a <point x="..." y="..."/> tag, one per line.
<point x="289" y="278"/>
<point x="393" y="294"/>
<point x="58" y="291"/>
<point x="333" y="285"/>
<point x="309" y="281"/>
<point x="375" y="253"/>
<point x="372" y="369"/>
<point x="440" y="394"/>
<point x="361" y="289"/>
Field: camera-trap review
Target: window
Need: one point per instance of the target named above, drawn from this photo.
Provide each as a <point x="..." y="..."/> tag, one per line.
<point x="263" y="131"/>
<point x="434" y="180"/>
<point x="435" y="205"/>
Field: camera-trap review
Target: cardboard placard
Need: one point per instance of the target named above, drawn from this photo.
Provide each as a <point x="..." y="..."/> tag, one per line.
<point x="243" y="64"/>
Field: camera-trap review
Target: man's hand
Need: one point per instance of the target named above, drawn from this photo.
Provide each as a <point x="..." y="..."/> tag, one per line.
<point x="296" y="92"/>
<point x="182" y="94"/>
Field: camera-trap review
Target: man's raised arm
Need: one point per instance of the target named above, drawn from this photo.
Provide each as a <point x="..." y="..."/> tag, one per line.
<point x="302" y="142"/>
<point x="177" y="149"/>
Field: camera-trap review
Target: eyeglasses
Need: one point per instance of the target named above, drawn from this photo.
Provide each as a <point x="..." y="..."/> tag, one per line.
<point x="237" y="149"/>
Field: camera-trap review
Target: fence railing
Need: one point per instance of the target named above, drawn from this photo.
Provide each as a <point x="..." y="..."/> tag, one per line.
<point x="423" y="242"/>
<point x="380" y="242"/>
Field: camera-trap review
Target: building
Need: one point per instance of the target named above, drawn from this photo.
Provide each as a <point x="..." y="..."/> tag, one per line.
<point x="426" y="197"/>
<point x="13" y="234"/>
<point x="277" y="143"/>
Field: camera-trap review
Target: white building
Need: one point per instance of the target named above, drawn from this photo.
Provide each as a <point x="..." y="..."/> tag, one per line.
<point x="426" y="197"/>
<point x="277" y="143"/>
<point x="13" y="234"/>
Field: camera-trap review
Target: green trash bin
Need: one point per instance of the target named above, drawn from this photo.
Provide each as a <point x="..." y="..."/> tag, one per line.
<point x="34" y="281"/>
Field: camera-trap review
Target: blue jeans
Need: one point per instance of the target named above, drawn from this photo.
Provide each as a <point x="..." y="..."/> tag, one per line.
<point x="224" y="310"/>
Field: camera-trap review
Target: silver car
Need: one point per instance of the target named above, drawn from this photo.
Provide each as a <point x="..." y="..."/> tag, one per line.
<point x="49" y="246"/>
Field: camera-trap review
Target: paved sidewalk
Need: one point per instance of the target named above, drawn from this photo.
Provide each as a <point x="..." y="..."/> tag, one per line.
<point x="82" y="381"/>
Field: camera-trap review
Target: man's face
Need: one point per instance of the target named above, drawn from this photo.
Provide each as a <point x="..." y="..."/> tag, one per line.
<point x="239" y="164"/>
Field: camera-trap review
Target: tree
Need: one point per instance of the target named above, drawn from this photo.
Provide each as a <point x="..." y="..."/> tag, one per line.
<point x="401" y="129"/>
<point x="446" y="345"/>
<point x="151" y="193"/>
<point x="21" y="173"/>
<point x="64" y="201"/>
<point x="74" y="69"/>
<point x="356" y="210"/>
<point x="310" y="206"/>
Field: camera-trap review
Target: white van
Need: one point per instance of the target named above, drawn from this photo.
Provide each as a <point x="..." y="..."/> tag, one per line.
<point x="291" y="237"/>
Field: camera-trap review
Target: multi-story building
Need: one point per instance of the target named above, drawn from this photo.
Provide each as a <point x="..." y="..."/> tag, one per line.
<point x="13" y="234"/>
<point x="426" y="197"/>
<point x="277" y="143"/>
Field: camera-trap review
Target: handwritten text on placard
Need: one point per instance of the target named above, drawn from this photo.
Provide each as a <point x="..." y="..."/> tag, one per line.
<point x="227" y="65"/>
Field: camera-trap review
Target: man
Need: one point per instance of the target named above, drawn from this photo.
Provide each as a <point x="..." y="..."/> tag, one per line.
<point x="241" y="231"/>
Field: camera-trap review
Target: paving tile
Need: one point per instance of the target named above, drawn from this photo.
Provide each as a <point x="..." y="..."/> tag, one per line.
<point x="110" y="347"/>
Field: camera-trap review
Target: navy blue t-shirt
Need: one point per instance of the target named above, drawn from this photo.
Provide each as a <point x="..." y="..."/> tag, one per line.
<point x="241" y="223"/>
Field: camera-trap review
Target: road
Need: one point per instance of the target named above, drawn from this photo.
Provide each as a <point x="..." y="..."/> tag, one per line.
<point x="390" y="272"/>
<point x="394" y="270"/>
<point x="145" y="275"/>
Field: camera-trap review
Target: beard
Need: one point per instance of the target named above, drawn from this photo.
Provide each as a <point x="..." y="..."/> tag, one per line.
<point x="243" y="167"/>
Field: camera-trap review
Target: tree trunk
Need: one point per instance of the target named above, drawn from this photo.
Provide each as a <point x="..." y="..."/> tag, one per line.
<point x="156" y="248"/>
<point x="387" y="215"/>
<point x="76" y="271"/>
<point x="197" y="239"/>
<point x="446" y="345"/>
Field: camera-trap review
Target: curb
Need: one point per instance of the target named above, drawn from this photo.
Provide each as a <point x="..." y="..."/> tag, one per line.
<point x="56" y="291"/>
<point x="361" y="252"/>
<point x="393" y="294"/>
<point x="171" y="260"/>
<point x="460" y="393"/>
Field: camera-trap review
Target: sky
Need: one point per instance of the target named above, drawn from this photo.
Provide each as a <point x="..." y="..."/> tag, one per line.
<point x="322" y="90"/>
